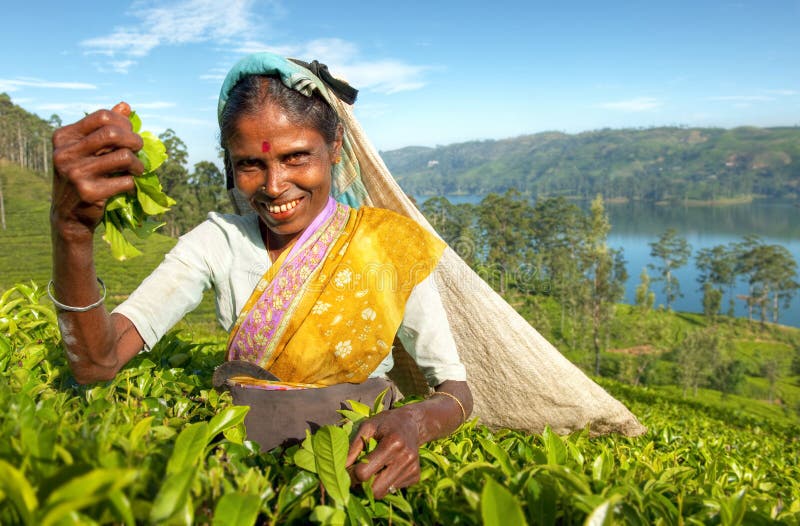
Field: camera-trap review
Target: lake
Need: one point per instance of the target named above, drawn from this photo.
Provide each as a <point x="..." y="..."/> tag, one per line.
<point x="635" y="225"/>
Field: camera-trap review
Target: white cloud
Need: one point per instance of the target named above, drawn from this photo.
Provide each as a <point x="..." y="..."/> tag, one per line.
<point x="121" y="66"/>
<point x="9" y="85"/>
<point x="156" y="105"/>
<point x="742" y="98"/>
<point x="170" y="120"/>
<point x="637" y="104"/>
<point x="344" y="61"/>
<point x="71" y="108"/>
<point x="214" y="74"/>
<point x="182" y="22"/>
<point x="783" y="92"/>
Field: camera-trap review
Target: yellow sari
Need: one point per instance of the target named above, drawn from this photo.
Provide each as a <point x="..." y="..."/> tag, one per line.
<point x="327" y="312"/>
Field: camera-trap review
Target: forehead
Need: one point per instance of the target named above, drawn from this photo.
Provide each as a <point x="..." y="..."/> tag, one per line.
<point x="274" y="127"/>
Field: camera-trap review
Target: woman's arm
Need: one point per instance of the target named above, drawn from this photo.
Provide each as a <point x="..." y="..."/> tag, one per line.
<point x="402" y="431"/>
<point x="93" y="160"/>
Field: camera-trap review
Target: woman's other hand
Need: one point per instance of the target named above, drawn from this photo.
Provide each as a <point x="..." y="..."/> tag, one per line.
<point x="395" y="460"/>
<point x="93" y="159"/>
<point x="400" y="432"/>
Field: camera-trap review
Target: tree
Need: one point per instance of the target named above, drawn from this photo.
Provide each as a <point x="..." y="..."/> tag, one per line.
<point x="717" y="266"/>
<point x="771" y="274"/>
<point x="505" y="224"/>
<point x="558" y="233"/>
<point x="645" y="298"/>
<point x="208" y="185"/>
<point x="605" y="273"/>
<point x="712" y="301"/>
<point x="673" y="252"/>
<point x="174" y="178"/>
<point x="770" y="369"/>
<point x="697" y="356"/>
<point x="457" y="226"/>
<point x="727" y="376"/>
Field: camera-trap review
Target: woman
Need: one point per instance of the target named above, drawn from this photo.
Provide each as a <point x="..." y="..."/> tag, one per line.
<point x="311" y="290"/>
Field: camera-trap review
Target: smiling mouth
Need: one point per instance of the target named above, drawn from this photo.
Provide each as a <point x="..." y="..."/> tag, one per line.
<point x="285" y="207"/>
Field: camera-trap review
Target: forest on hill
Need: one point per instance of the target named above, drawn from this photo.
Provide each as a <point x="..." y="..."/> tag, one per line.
<point x="655" y="164"/>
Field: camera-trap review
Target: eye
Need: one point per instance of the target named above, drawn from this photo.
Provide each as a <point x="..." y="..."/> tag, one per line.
<point x="296" y="158"/>
<point x="245" y="165"/>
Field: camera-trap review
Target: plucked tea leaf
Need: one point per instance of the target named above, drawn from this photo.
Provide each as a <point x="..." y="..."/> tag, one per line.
<point x="153" y="153"/>
<point x="130" y="213"/>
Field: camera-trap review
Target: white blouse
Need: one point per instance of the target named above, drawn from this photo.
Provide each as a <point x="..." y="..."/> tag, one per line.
<point x="226" y="252"/>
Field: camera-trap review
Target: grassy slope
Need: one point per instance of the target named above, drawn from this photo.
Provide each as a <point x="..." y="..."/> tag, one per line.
<point x="660" y="332"/>
<point x="26" y="251"/>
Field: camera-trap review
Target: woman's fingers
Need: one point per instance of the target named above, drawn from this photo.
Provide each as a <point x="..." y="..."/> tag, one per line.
<point x="394" y="463"/>
<point x="123" y="108"/>
<point x="403" y="471"/>
<point x="84" y="127"/>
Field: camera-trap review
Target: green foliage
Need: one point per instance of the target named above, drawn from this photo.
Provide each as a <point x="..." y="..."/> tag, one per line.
<point x="158" y="445"/>
<point x="25" y="138"/>
<point x="132" y="212"/>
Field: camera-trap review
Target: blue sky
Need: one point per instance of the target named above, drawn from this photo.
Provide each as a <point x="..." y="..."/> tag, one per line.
<point x="430" y="73"/>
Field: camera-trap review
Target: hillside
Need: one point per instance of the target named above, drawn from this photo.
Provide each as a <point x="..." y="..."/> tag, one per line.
<point x="648" y="164"/>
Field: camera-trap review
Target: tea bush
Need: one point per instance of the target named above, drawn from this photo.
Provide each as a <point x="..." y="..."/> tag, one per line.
<point x="159" y="445"/>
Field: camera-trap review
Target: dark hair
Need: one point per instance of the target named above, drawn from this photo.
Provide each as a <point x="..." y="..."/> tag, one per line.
<point x="249" y="96"/>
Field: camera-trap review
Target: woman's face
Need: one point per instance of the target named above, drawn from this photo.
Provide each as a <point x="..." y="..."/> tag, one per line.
<point x="284" y="170"/>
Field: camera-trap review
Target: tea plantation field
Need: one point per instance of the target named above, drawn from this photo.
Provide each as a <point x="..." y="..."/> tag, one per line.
<point x="158" y="445"/>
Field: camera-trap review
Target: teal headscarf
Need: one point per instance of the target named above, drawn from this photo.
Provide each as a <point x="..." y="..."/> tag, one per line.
<point x="347" y="186"/>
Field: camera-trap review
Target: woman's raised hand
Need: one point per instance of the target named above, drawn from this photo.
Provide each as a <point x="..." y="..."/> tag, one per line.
<point x="93" y="159"/>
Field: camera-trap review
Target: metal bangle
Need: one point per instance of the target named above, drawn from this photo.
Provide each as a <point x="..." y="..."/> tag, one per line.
<point x="454" y="397"/>
<point x="70" y="308"/>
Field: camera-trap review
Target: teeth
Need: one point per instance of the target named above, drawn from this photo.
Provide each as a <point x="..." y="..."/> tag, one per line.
<point x="283" y="208"/>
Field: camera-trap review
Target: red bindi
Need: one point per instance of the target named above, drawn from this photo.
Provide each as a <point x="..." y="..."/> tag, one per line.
<point x="265" y="147"/>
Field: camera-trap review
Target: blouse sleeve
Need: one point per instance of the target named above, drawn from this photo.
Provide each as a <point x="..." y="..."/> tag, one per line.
<point x="425" y="334"/>
<point x="175" y="287"/>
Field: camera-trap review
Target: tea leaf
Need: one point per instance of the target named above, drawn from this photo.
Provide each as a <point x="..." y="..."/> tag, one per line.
<point x="300" y="485"/>
<point x="330" y="454"/>
<point x="83" y="491"/>
<point x="20" y="492"/>
<point x="236" y="509"/>
<point x="227" y="418"/>
<point x="189" y="447"/>
<point x="328" y="516"/>
<point x="172" y="497"/>
<point x="498" y="506"/>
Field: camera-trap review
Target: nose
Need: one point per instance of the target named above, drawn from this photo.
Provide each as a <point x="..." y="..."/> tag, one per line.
<point x="274" y="182"/>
